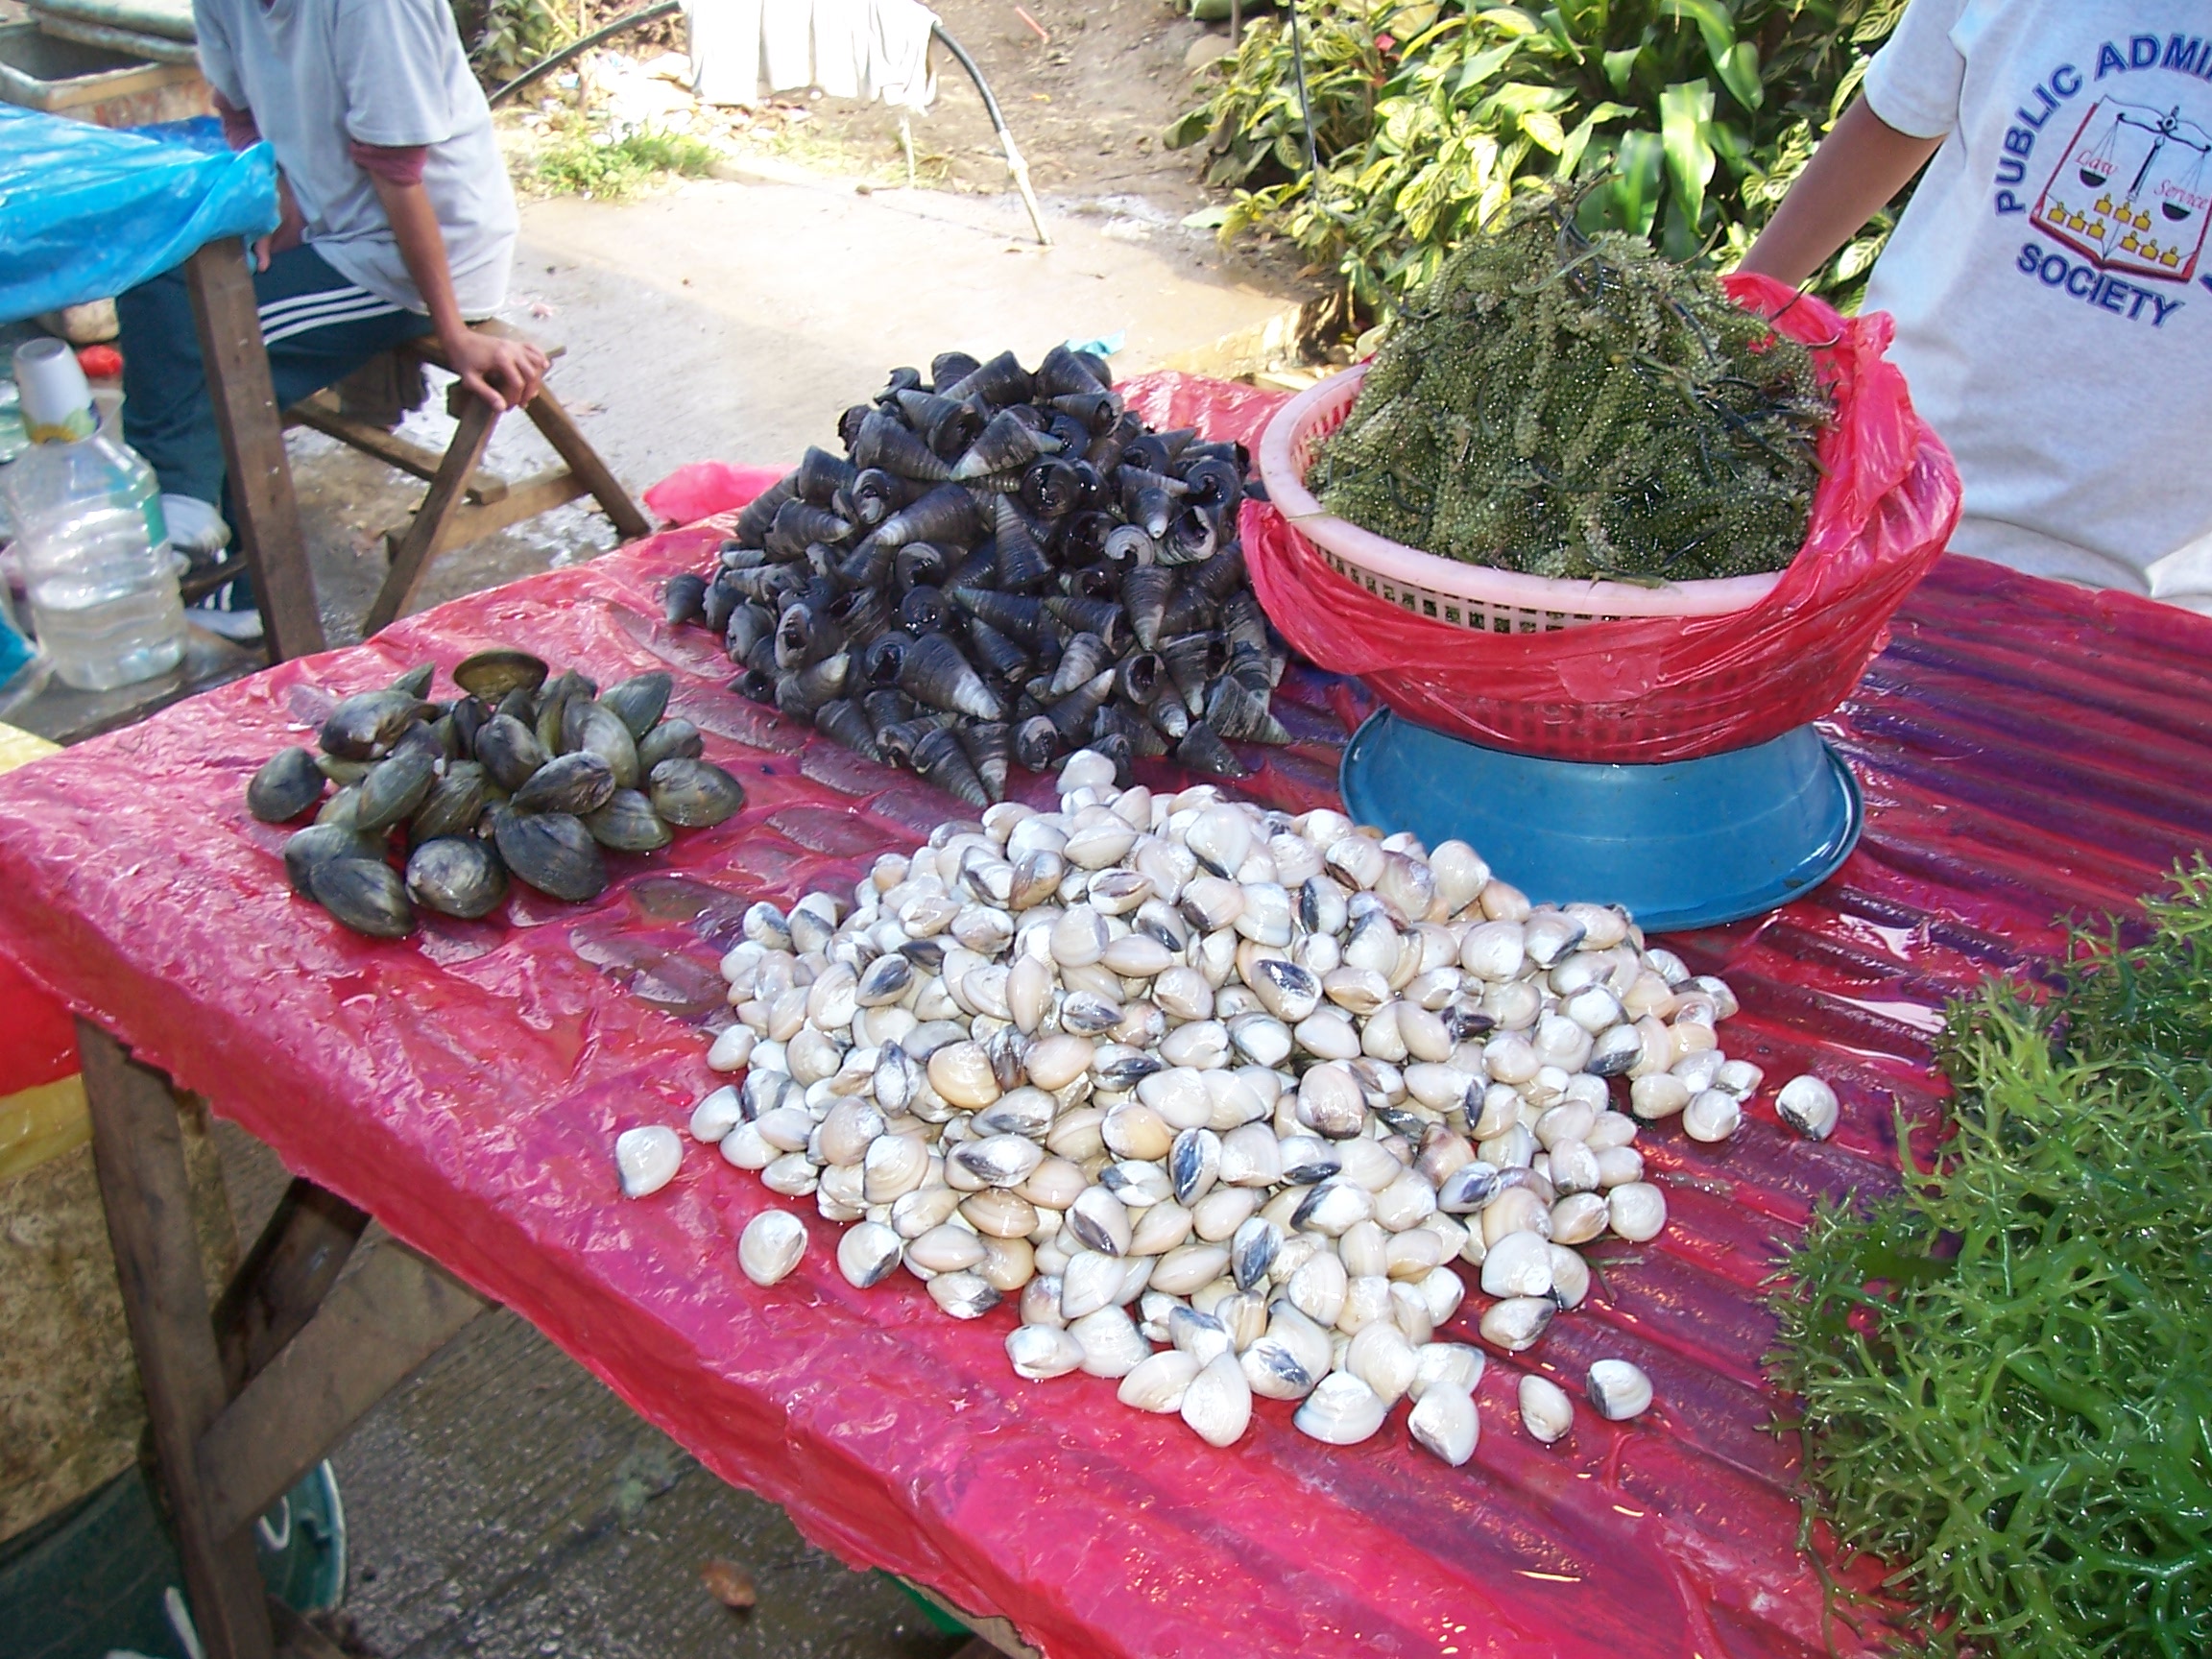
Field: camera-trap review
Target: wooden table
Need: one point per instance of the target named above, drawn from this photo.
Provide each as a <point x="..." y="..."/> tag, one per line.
<point x="2026" y="750"/>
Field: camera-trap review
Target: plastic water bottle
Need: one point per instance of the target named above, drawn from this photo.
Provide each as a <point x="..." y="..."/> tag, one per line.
<point x="90" y="534"/>
<point x="16" y="652"/>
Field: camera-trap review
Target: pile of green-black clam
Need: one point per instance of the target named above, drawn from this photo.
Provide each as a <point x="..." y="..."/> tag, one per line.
<point x="522" y="775"/>
<point x="1220" y="1095"/>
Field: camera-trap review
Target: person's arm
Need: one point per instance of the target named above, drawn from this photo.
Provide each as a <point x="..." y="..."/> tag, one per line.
<point x="241" y="131"/>
<point x="1862" y="163"/>
<point x="506" y="374"/>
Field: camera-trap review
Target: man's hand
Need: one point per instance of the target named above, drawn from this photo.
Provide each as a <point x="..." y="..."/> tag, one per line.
<point x="291" y="227"/>
<point x="506" y="374"/>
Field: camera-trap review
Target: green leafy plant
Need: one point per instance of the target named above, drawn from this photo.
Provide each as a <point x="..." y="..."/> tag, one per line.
<point x="583" y="158"/>
<point x="2007" y="1367"/>
<point x="1427" y="117"/>
<point x="506" y="37"/>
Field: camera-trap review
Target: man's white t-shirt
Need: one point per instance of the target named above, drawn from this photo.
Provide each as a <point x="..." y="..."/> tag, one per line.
<point x="2052" y="278"/>
<point x="319" y="73"/>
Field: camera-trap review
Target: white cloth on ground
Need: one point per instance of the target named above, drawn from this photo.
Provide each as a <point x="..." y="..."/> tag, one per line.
<point x="865" y="49"/>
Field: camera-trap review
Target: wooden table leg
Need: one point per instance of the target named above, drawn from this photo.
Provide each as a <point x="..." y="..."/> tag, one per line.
<point x="412" y="557"/>
<point x="138" y="1154"/>
<point x="246" y="415"/>
<point x="285" y="1278"/>
<point x="560" y="431"/>
<point x="374" y="1329"/>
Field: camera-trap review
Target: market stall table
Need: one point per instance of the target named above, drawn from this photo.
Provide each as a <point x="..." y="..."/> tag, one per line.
<point x="2026" y="750"/>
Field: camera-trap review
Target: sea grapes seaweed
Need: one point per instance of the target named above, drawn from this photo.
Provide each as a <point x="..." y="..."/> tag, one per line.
<point x="1580" y="406"/>
<point x="2006" y="1368"/>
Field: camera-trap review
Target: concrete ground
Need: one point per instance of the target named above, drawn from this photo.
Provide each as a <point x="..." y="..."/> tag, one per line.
<point x="502" y="1504"/>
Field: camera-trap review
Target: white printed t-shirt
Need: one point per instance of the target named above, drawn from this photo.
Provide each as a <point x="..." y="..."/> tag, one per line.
<point x="317" y="75"/>
<point x="2052" y="280"/>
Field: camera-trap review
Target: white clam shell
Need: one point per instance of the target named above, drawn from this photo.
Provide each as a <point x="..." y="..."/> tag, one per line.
<point x="1658" y="1095"/>
<point x="1085" y="769"/>
<point x="1444" y="1422"/>
<point x="1637" y="1210"/>
<point x="1409" y="1312"/>
<point x="1381" y="1357"/>
<point x="1446" y="1365"/>
<point x="1318" y="1289"/>
<point x="1218" y="1402"/>
<point x="1713" y="1114"/>
<point x="867" y="1254"/>
<point x="1412" y="1255"/>
<point x="1809" y="1106"/>
<point x="1570" y="1277"/>
<point x="771" y="1245"/>
<point x="1112" y="1344"/>
<point x="1619" y="1390"/>
<point x="647" y="1158"/>
<point x="1442" y="1290"/>
<point x="1159" y="1382"/>
<point x="1545" y="1410"/>
<point x="964" y="1295"/>
<point x="1517" y="1323"/>
<point x="1043" y="1352"/>
<point x="1518" y="1265"/>
<point x="716" y="1114"/>
<point x="1343" y="1410"/>
<point x="1090" y="1282"/>
<point x="733" y="1050"/>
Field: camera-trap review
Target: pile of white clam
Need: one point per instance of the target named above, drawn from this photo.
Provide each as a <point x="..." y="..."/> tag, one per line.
<point x="1220" y="1094"/>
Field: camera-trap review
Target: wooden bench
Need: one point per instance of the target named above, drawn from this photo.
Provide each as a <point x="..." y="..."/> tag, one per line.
<point x="464" y="502"/>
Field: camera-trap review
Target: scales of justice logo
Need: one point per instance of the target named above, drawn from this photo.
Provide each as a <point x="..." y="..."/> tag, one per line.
<point x="2132" y="192"/>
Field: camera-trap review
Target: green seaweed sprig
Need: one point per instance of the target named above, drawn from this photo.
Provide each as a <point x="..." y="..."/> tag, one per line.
<point x="2006" y="1369"/>
<point x="1572" y="406"/>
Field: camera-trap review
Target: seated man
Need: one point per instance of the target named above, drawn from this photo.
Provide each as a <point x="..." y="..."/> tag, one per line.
<point x="398" y="222"/>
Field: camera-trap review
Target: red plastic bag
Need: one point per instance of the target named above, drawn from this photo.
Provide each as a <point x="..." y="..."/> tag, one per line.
<point x="706" y="487"/>
<point x="1666" y="688"/>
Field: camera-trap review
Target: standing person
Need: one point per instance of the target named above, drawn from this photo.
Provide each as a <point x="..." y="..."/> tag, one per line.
<point x="2051" y="278"/>
<point x="398" y="222"/>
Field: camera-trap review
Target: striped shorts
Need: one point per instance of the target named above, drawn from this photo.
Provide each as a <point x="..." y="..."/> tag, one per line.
<point x="282" y="319"/>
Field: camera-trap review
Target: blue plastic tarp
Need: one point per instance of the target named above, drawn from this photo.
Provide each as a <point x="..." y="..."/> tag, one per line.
<point x="86" y="212"/>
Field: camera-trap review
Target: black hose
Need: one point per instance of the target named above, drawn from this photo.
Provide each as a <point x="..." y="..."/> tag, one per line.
<point x="570" y="53"/>
<point x="960" y="52"/>
<point x="1305" y="103"/>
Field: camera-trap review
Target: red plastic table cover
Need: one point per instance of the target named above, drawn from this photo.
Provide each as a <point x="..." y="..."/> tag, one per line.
<point x="2026" y="750"/>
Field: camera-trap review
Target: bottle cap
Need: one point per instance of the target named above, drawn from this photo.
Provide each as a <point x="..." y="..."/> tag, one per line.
<point x="56" y="401"/>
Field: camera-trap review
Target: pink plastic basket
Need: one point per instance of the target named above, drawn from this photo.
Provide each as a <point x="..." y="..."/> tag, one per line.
<point x="1469" y="596"/>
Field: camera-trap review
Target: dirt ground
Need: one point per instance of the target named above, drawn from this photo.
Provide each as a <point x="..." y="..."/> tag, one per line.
<point x="1086" y="89"/>
<point x="1087" y="105"/>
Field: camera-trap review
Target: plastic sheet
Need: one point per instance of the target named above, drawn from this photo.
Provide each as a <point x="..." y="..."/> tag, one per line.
<point x="2025" y="750"/>
<point x="86" y="212"/>
<point x="706" y="487"/>
<point x="1662" y="688"/>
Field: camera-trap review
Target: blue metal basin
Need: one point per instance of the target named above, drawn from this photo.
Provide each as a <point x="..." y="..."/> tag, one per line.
<point x="1682" y="844"/>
